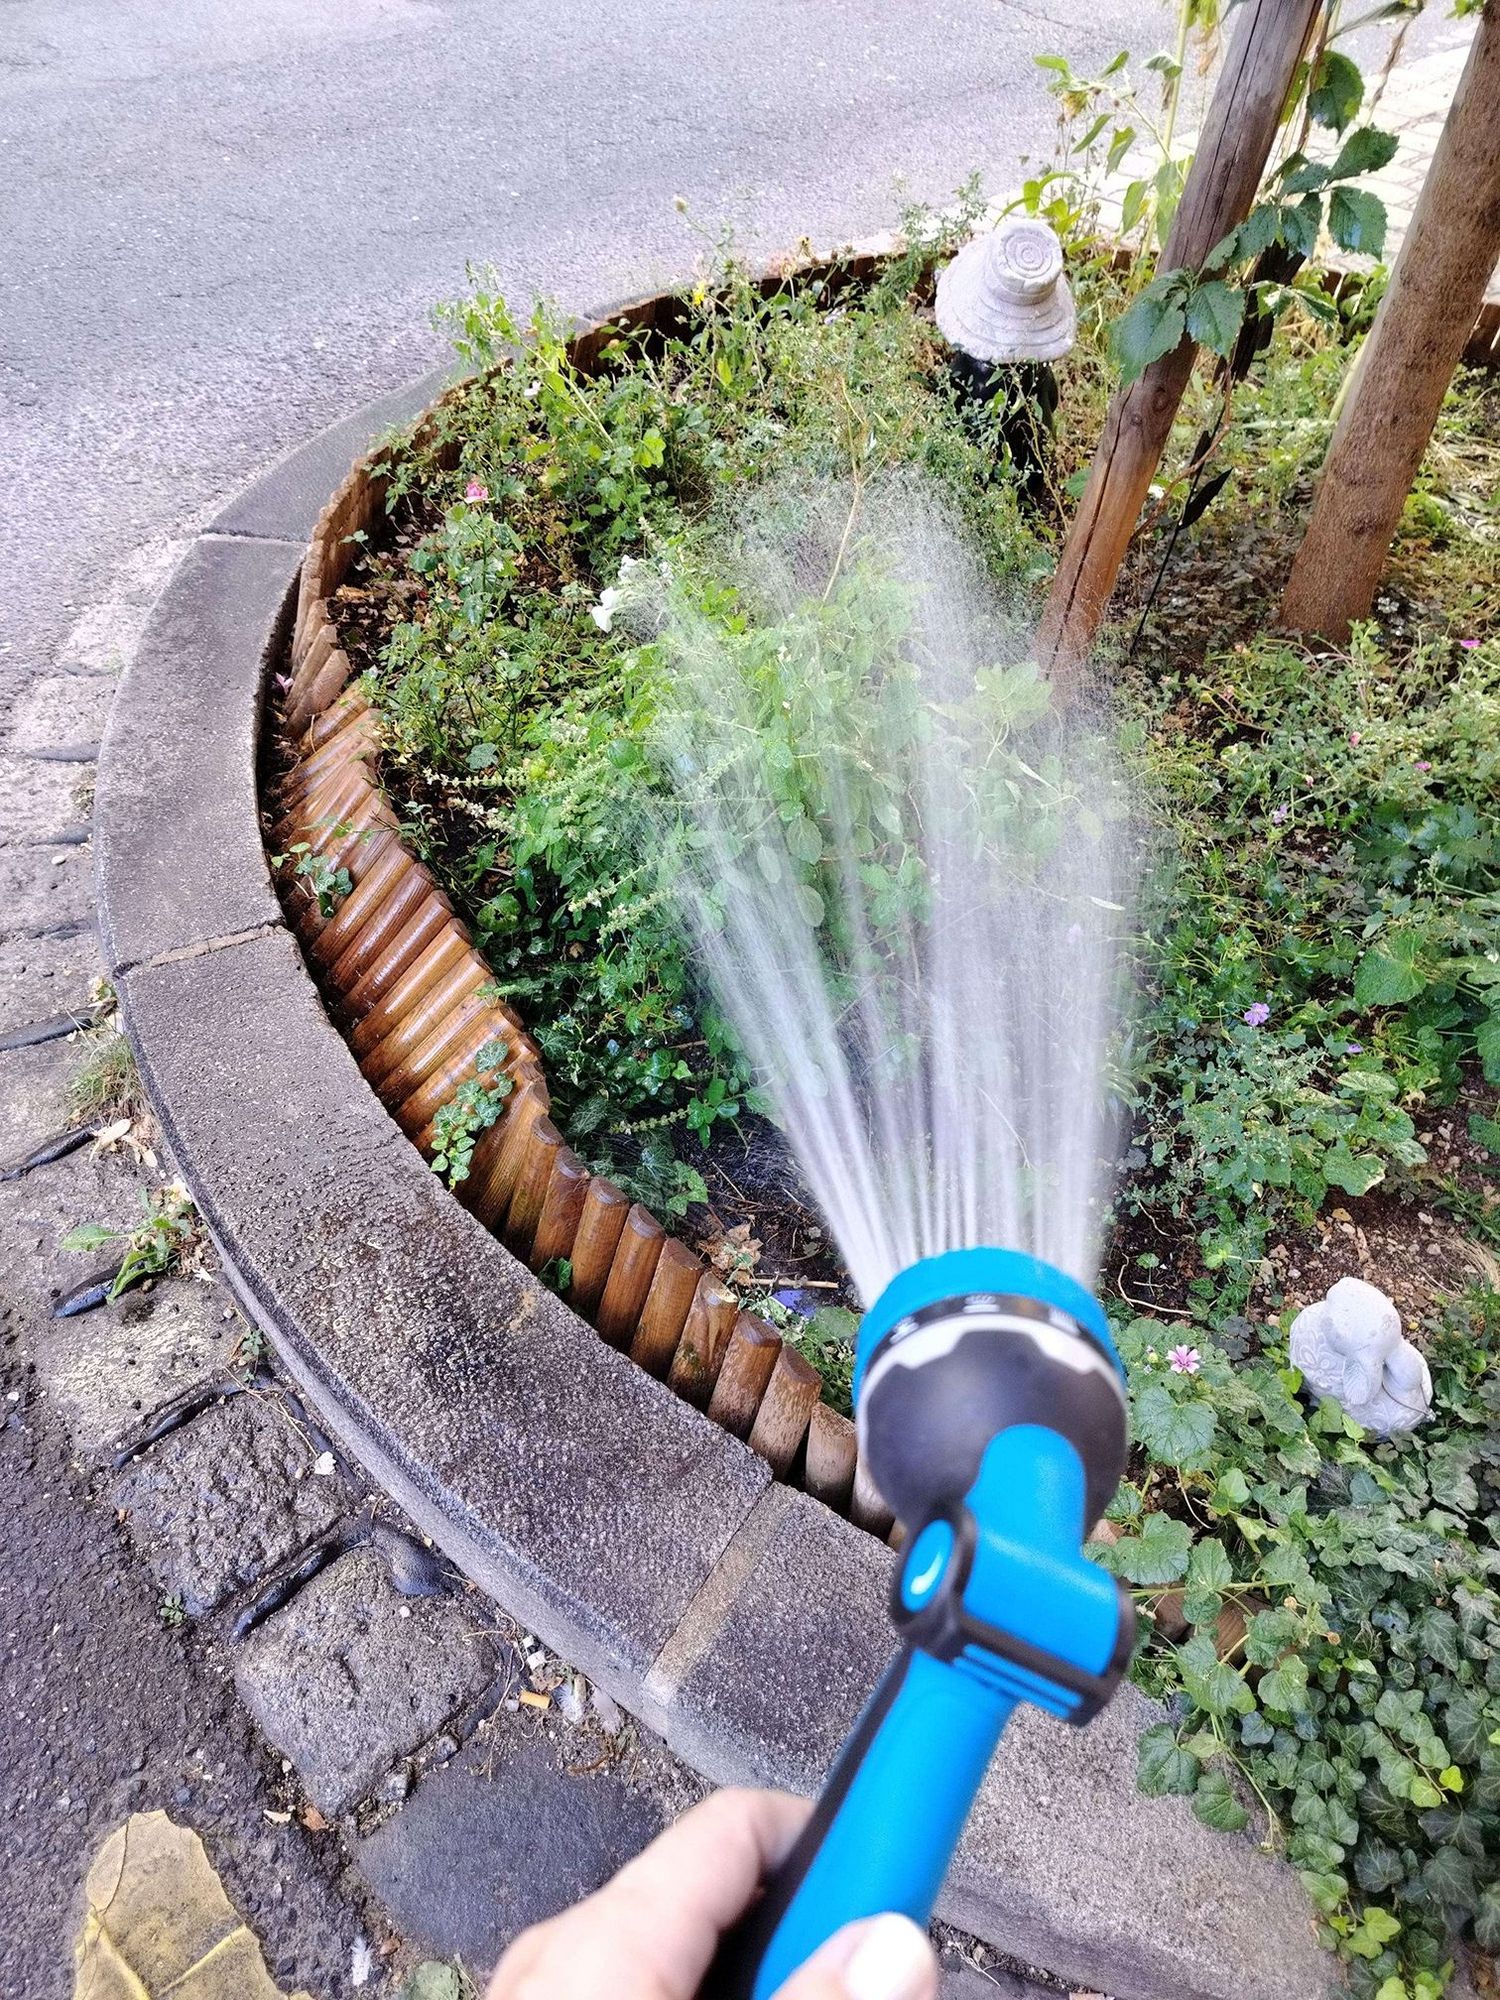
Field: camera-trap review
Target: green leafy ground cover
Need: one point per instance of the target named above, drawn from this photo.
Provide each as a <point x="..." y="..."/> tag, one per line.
<point x="1320" y="1043"/>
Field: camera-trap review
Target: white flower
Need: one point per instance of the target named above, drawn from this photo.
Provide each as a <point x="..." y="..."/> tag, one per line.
<point x="604" y="611"/>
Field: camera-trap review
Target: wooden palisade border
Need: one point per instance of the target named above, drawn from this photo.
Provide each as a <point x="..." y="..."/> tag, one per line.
<point x="416" y="1002"/>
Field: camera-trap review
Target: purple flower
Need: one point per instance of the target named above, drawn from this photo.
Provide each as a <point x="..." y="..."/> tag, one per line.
<point x="1184" y="1360"/>
<point x="476" y="492"/>
<point x="1354" y="1048"/>
<point x="1257" y="1014"/>
<point x="1468" y="644"/>
<point x="1423" y="765"/>
<point x="1279" y="815"/>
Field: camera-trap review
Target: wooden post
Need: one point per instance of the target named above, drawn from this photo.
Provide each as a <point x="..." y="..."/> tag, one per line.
<point x="866" y="1508"/>
<point x="666" y="1308"/>
<point x="1419" y="336"/>
<point x="748" y="1361"/>
<point x="557" y="1225"/>
<point x="700" y="1352"/>
<point x="831" y="1449"/>
<point x="389" y="990"/>
<point x="1231" y="157"/>
<point x="542" y="1149"/>
<point x="599" y="1229"/>
<point x="785" y="1411"/>
<point x="630" y="1276"/>
<point x="379" y="934"/>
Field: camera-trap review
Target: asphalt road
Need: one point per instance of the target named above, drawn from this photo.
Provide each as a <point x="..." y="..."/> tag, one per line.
<point x="225" y="221"/>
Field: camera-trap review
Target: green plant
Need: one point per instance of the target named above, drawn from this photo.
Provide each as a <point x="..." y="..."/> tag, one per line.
<point x="106" y="1086"/>
<point x="171" y="1612"/>
<point x="472" y="1109"/>
<point x="167" y="1238"/>
<point x="1344" y="1656"/>
<point x="826" y="1338"/>
<point x="328" y="884"/>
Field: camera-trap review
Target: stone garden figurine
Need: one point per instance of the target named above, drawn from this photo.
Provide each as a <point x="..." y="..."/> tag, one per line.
<point x="1350" y="1345"/>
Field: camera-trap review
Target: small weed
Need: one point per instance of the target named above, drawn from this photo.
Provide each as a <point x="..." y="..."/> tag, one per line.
<point x="168" y="1238"/>
<point x="249" y="1351"/>
<point x="172" y="1612"/>
<point x="106" y="1088"/>
<point x="557" y="1275"/>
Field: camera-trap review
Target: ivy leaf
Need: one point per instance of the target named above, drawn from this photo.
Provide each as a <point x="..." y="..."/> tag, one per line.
<point x="1487" y="1919"/>
<point x="1153" y="325"/>
<point x="1162" y="1765"/>
<point x="1437" y="1633"/>
<point x="1158" y="1554"/>
<point x="1216" y="1688"/>
<point x="1465" y="1729"/>
<point x="1337" y="90"/>
<point x="1216" y="1805"/>
<point x="1214" y="314"/>
<point x="1363" y="152"/>
<point x="1448" y="1877"/>
<point x="1356" y="221"/>
<point x="1378" y="1867"/>
<point x="1174" y="1433"/>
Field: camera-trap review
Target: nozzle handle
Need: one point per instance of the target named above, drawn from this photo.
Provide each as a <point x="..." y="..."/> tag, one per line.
<point x="883" y="1830"/>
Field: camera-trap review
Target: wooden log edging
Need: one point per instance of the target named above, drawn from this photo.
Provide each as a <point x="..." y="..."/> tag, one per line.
<point x="418" y="1005"/>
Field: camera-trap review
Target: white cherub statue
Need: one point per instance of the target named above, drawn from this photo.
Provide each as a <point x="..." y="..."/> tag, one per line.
<point x="1350" y="1345"/>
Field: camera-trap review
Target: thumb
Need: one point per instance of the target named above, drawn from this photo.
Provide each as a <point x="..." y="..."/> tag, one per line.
<point x="879" y="1958"/>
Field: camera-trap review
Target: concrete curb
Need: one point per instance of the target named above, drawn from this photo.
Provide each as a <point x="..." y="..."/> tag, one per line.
<point x="744" y="1621"/>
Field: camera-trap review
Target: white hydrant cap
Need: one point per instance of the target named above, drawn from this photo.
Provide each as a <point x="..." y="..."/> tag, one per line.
<point x="1004" y="296"/>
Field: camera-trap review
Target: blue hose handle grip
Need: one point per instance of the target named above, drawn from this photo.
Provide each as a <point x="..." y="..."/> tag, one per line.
<point x="882" y="1832"/>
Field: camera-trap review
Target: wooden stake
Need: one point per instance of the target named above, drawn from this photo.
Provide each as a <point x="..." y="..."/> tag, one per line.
<point x="1421" y="329"/>
<point x="666" y="1308"/>
<point x="1231" y="157"/>
<point x="431" y="1010"/>
<point x="380" y="882"/>
<point x="866" y="1508"/>
<point x="558" y="1225"/>
<point x="388" y="993"/>
<point x="630" y="1276"/>
<point x="831" y="1450"/>
<point x="748" y="1361"/>
<point x="453" y="1059"/>
<point x="381" y="931"/>
<point x="497" y="1158"/>
<point x="700" y="1352"/>
<point x="599" y="1228"/>
<point x="785" y="1411"/>
<point x="537" y="1162"/>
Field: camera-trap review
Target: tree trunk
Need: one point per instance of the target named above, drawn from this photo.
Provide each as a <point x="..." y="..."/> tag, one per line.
<point x="1231" y="157"/>
<point x="1419" y="335"/>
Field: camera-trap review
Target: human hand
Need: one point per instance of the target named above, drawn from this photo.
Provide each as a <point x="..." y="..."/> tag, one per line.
<point x="651" y="1933"/>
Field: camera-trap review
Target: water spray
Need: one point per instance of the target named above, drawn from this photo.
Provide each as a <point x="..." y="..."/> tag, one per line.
<point x="905" y="878"/>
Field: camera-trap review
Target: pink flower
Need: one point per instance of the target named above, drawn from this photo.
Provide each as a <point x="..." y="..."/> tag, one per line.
<point x="1423" y="765"/>
<point x="1184" y="1360"/>
<point x="1468" y="644"/>
<point x="1354" y="736"/>
<point x="476" y="493"/>
<point x="1279" y="815"/>
<point x="1257" y="1014"/>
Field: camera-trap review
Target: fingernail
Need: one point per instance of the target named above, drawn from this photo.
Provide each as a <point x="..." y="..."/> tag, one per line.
<point x="893" y="1962"/>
